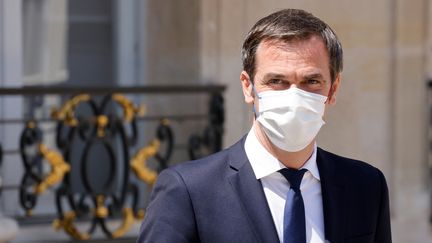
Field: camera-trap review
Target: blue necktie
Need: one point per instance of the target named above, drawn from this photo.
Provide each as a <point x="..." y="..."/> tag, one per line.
<point x="294" y="225"/>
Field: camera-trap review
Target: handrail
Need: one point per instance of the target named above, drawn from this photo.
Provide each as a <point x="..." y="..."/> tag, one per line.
<point x="194" y="116"/>
<point x="139" y="89"/>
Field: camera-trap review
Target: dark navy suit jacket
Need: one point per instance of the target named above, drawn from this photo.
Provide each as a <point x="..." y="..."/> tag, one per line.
<point x="218" y="199"/>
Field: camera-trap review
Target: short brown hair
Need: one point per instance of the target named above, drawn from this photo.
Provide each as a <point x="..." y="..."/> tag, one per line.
<point x="287" y="25"/>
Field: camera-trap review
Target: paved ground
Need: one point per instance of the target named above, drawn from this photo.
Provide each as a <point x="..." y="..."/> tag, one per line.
<point x="46" y="234"/>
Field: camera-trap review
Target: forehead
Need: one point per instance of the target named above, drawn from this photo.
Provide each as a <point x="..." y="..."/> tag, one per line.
<point x="293" y="56"/>
<point x="310" y="47"/>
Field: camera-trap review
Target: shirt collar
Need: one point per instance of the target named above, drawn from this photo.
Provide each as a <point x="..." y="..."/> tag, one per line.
<point x="263" y="163"/>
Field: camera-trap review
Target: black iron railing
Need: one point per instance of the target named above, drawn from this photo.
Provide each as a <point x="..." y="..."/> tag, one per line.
<point x="154" y="89"/>
<point x="97" y="167"/>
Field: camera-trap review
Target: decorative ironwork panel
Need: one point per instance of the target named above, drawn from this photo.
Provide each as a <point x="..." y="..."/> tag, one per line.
<point x="99" y="136"/>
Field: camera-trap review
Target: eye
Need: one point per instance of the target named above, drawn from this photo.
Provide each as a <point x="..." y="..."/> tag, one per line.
<point x="313" y="85"/>
<point x="277" y="84"/>
<point x="313" y="81"/>
<point x="275" y="81"/>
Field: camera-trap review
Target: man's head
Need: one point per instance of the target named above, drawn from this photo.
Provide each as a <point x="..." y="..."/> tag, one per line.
<point x="291" y="72"/>
<point x="291" y="25"/>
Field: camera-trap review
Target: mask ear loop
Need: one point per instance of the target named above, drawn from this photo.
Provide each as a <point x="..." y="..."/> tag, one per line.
<point x="256" y="95"/>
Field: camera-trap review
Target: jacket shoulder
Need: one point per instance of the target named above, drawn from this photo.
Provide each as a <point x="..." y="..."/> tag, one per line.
<point x="351" y="170"/>
<point x="346" y="163"/>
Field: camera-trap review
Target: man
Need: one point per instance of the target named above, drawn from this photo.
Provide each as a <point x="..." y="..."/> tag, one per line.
<point x="275" y="185"/>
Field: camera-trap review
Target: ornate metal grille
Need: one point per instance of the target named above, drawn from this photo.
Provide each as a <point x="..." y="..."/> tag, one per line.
<point x="89" y="130"/>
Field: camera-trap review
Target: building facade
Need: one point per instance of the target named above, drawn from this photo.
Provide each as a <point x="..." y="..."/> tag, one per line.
<point x="382" y="114"/>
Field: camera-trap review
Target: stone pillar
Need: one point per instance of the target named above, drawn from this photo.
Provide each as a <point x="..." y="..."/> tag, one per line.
<point x="172" y="41"/>
<point x="10" y="75"/>
<point x="410" y="116"/>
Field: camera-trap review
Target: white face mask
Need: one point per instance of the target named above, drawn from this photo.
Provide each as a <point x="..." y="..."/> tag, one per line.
<point x="291" y="118"/>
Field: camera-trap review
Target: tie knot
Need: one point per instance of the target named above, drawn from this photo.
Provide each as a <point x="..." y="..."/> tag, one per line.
<point x="293" y="176"/>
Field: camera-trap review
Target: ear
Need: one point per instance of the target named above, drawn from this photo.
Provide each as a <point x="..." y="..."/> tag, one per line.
<point x="247" y="87"/>
<point x="331" y="100"/>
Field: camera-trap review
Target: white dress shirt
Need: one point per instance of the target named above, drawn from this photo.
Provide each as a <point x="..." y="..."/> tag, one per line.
<point x="266" y="166"/>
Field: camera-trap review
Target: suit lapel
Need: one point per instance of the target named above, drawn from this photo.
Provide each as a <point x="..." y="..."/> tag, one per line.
<point x="333" y="195"/>
<point x="251" y="195"/>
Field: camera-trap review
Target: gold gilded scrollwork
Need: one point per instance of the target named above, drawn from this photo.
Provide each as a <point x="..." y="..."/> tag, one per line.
<point x="140" y="214"/>
<point x="101" y="211"/>
<point x="67" y="223"/>
<point x="59" y="168"/>
<point x="102" y="122"/>
<point x="139" y="162"/>
<point x="129" y="109"/>
<point x="31" y="124"/>
<point x="66" y="112"/>
<point x="128" y="221"/>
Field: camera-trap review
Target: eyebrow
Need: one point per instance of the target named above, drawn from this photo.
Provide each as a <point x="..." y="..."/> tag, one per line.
<point x="314" y="76"/>
<point x="268" y="76"/>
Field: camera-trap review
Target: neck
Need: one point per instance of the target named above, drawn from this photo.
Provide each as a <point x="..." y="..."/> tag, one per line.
<point x="293" y="160"/>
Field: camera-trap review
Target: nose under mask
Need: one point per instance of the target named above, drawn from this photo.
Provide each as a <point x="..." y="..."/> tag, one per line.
<point x="290" y="118"/>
